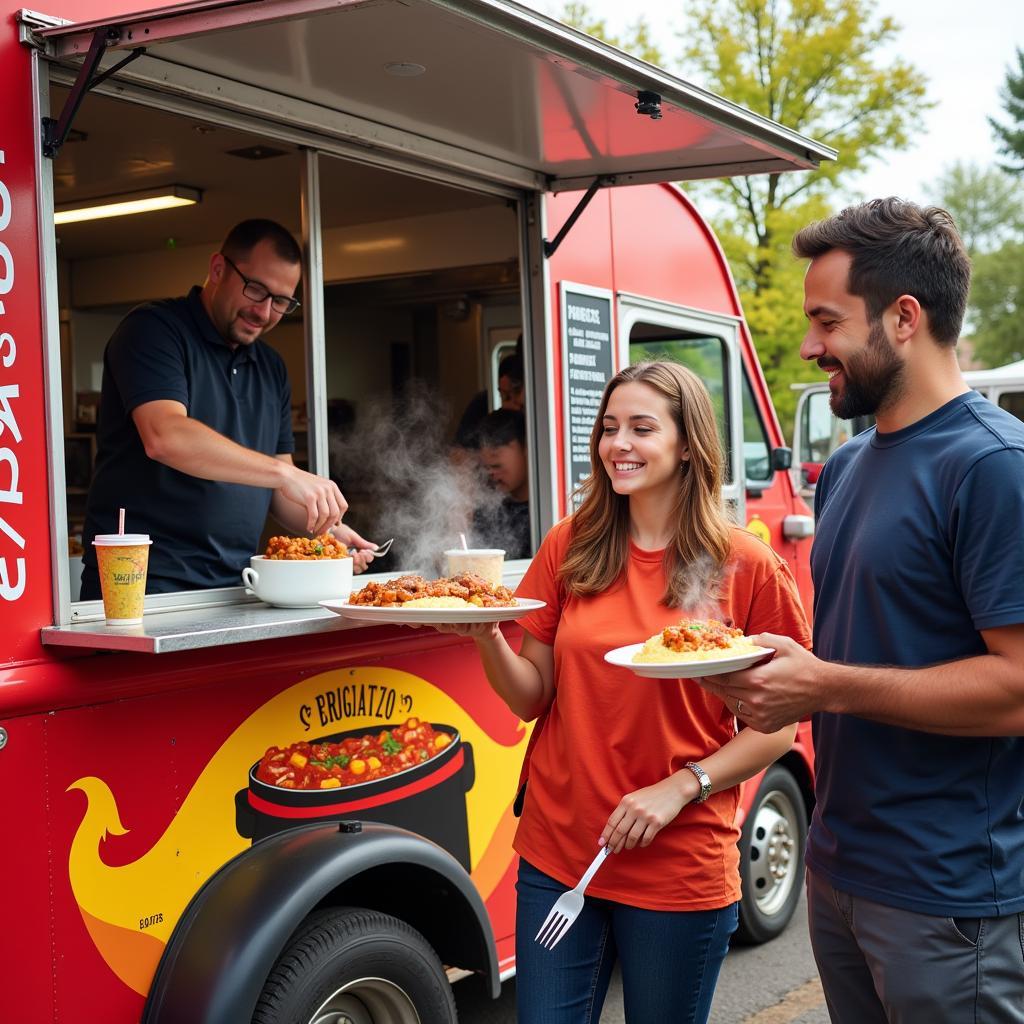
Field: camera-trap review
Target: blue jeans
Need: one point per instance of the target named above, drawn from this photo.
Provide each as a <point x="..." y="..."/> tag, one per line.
<point x="670" y="959"/>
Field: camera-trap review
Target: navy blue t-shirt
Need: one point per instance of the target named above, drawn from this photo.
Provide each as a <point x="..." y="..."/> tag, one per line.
<point x="919" y="546"/>
<point x="203" y="531"/>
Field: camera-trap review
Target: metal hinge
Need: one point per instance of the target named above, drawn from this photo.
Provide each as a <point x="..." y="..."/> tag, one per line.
<point x="29" y="24"/>
<point x="602" y="182"/>
<point x="55" y="130"/>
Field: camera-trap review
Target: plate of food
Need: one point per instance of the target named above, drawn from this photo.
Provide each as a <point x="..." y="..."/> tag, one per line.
<point x="688" y="650"/>
<point x="413" y="600"/>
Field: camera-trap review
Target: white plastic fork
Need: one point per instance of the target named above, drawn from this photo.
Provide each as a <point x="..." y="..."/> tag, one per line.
<point x="568" y="906"/>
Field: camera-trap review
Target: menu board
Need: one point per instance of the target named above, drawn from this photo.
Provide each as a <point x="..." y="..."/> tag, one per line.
<point x="587" y="347"/>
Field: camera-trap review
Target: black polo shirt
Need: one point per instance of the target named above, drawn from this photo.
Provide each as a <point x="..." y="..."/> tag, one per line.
<point x="203" y="531"/>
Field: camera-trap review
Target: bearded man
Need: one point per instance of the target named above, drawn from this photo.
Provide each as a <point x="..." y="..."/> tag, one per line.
<point x="916" y="849"/>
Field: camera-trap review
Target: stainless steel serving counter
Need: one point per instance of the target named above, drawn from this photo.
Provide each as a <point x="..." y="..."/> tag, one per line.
<point x="164" y="632"/>
<point x="187" y="622"/>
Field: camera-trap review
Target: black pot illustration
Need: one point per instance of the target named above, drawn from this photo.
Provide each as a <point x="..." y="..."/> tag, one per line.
<point x="428" y="798"/>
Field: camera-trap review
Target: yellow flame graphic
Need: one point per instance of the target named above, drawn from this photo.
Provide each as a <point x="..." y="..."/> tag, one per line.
<point x="155" y="889"/>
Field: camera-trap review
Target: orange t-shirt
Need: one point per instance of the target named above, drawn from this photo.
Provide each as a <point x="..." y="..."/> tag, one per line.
<point x="609" y="732"/>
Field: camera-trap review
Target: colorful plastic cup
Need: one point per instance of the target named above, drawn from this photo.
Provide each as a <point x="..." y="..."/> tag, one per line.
<point x="122" y="560"/>
<point x="486" y="562"/>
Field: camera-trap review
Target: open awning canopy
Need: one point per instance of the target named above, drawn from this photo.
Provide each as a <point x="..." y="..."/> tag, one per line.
<point x="483" y="86"/>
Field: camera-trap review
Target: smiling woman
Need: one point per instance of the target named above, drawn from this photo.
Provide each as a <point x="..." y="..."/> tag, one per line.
<point x="649" y="541"/>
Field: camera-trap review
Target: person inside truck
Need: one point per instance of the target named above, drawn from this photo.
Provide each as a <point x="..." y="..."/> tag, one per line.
<point x="652" y="772"/>
<point x="194" y="436"/>
<point x="502" y="447"/>
<point x="511" y="388"/>
<point x="916" y="851"/>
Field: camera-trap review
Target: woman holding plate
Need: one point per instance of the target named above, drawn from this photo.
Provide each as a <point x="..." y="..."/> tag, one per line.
<point x="649" y="768"/>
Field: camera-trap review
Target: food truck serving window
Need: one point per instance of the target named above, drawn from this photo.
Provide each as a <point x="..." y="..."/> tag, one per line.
<point x="420" y="296"/>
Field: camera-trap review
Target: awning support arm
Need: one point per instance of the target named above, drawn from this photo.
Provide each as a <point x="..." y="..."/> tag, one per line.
<point x="55" y="132"/>
<point x="551" y="247"/>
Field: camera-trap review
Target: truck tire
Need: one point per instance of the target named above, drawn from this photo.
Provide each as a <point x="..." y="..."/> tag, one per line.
<point x="771" y="857"/>
<point x="351" y="966"/>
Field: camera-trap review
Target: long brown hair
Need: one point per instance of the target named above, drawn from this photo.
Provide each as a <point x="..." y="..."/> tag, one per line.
<point x="599" y="550"/>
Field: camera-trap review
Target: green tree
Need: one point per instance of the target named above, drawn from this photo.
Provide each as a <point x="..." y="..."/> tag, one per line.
<point x="813" y="66"/>
<point x="1010" y="137"/>
<point x="985" y="203"/>
<point x="997" y="302"/>
<point x="989" y="211"/>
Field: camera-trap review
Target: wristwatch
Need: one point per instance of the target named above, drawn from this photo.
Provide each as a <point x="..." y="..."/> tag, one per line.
<point x="703" y="778"/>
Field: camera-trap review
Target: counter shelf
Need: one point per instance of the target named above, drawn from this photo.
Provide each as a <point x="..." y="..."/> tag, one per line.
<point x="212" y="618"/>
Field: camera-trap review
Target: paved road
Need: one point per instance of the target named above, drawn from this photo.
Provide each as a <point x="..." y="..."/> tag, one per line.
<point x="771" y="984"/>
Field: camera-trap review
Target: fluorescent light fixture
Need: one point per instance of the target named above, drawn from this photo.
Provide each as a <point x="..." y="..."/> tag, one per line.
<point x="146" y="201"/>
<point x="374" y="245"/>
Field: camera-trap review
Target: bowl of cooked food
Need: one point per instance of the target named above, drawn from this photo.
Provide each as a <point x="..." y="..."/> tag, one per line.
<point x="300" y="572"/>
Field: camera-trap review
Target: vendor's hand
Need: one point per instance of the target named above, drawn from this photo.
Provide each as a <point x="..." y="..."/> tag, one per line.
<point x="360" y="549"/>
<point x="777" y="693"/>
<point x="324" y="503"/>
<point x="641" y="815"/>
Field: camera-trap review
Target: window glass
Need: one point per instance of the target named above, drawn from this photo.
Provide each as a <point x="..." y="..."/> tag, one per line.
<point x="1013" y="402"/>
<point x="822" y="432"/>
<point x="756" y="450"/>
<point x="704" y="354"/>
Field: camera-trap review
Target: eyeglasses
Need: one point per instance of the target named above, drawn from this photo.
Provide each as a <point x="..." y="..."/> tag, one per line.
<point x="260" y="293"/>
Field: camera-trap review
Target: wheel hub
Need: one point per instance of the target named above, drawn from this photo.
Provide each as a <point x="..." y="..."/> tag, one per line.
<point x="367" y="1001"/>
<point x="773" y="854"/>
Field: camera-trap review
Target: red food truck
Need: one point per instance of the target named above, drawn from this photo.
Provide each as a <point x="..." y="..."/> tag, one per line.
<point x="461" y="173"/>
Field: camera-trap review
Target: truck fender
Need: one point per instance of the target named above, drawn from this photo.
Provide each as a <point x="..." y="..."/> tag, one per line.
<point x="223" y="947"/>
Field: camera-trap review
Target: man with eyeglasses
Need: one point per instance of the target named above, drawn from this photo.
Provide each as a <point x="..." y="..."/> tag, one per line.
<point x="194" y="437"/>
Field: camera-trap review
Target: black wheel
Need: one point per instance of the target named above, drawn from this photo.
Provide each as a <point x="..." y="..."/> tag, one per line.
<point x="346" y="966"/>
<point x="771" y="857"/>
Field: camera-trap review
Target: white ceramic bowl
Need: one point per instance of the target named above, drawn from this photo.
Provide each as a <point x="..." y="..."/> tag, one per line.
<point x="298" y="582"/>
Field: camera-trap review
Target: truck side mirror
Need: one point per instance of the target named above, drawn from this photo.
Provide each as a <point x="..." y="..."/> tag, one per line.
<point x="782" y="458"/>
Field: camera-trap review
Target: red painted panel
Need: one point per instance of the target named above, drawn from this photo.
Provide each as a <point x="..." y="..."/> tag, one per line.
<point x="141" y="797"/>
<point x="27" y="941"/>
<point x="25" y="602"/>
<point x="664" y="249"/>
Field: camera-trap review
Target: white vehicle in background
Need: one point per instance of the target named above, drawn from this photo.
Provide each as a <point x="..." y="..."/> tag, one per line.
<point x="817" y="433"/>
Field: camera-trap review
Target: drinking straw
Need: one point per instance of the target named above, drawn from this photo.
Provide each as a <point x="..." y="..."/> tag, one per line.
<point x="120" y="520"/>
<point x="465" y="546"/>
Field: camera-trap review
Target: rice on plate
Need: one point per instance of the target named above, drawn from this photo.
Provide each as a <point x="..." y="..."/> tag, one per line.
<point x="437" y="602"/>
<point x="695" y="640"/>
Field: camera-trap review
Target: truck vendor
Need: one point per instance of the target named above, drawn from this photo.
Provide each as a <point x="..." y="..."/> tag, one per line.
<point x="194" y="436"/>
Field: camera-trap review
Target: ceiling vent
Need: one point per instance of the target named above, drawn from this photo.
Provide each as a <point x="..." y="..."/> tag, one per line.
<point x="257" y="152"/>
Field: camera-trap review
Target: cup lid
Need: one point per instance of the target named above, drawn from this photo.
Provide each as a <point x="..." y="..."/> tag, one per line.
<point x="476" y="551"/>
<point x="120" y="539"/>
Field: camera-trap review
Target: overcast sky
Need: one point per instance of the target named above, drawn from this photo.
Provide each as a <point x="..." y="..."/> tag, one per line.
<point x="963" y="46"/>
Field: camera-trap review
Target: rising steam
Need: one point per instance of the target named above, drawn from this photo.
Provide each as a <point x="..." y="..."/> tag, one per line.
<point x="402" y="479"/>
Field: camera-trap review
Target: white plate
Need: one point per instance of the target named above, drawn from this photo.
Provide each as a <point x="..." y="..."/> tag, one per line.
<point x="623" y="657"/>
<point x="426" y="616"/>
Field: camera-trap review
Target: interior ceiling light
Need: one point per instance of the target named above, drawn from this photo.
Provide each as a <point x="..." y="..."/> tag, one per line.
<point x="404" y="69"/>
<point x="126" y="203"/>
<point x="374" y="245"/>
